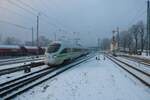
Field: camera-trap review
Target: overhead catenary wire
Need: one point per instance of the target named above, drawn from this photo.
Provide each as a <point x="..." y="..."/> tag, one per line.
<point x="28" y="8"/>
<point x="27" y="5"/>
<point x="42" y="13"/>
<point x="137" y="17"/>
<point x="15" y="13"/>
<point x="58" y="21"/>
<point x="16" y="25"/>
<point x="45" y="9"/>
<point x="19" y="6"/>
<point x="140" y="12"/>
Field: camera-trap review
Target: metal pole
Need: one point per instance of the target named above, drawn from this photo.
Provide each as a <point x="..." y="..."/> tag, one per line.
<point x="32" y="36"/>
<point x="55" y="36"/>
<point x="98" y="41"/>
<point x="38" y="31"/>
<point x="148" y="27"/>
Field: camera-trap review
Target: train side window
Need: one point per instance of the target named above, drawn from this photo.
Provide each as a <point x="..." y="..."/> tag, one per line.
<point x="66" y="50"/>
<point x="76" y="50"/>
<point x="53" y="48"/>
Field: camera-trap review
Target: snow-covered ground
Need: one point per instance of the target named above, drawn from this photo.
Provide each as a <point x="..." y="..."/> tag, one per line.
<point x="92" y="80"/>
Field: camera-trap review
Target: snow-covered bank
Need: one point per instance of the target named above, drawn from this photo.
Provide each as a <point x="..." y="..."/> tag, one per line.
<point x="93" y="80"/>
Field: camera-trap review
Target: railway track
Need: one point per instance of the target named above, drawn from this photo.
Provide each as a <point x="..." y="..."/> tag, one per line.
<point x="14" y="87"/>
<point x="20" y="68"/>
<point x="15" y="61"/>
<point x="139" y="60"/>
<point x="20" y="58"/>
<point x="141" y="75"/>
<point x="144" y="67"/>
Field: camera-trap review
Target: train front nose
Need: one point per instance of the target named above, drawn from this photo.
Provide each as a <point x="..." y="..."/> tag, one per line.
<point x="50" y="59"/>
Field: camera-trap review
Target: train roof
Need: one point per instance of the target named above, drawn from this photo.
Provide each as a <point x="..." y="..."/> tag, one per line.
<point x="17" y="47"/>
<point x="67" y="44"/>
<point x="10" y="46"/>
<point x="30" y="47"/>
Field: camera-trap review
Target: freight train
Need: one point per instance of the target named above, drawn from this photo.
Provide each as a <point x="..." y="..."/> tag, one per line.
<point x="16" y="50"/>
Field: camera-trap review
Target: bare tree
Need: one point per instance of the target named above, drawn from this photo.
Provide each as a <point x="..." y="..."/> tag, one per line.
<point x="12" y="41"/>
<point x="123" y="40"/>
<point x="129" y="40"/>
<point x="141" y="32"/>
<point x="134" y="30"/>
<point x="105" y="44"/>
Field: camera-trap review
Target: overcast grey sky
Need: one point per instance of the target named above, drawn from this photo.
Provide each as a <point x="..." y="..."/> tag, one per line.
<point x="89" y="18"/>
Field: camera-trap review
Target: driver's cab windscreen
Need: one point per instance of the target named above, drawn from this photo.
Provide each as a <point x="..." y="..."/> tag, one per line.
<point x="53" y="48"/>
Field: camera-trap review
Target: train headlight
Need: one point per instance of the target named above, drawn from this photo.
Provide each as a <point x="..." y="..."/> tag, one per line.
<point x="54" y="56"/>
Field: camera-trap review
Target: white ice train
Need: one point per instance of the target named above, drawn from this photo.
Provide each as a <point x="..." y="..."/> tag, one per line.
<point x="58" y="52"/>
